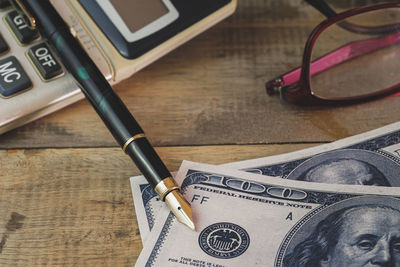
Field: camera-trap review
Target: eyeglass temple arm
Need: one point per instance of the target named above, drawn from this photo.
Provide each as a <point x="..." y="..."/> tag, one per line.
<point x="328" y="12"/>
<point x="338" y="56"/>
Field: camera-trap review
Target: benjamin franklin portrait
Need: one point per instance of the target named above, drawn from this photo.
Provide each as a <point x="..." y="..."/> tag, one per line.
<point x="363" y="233"/>
<point x="349" y="166"/>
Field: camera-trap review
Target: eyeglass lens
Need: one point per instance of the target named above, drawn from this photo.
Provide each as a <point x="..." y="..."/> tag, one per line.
<point x="358" y="55"/>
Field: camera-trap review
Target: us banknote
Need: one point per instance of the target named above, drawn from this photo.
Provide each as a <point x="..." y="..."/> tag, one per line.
<point x="245" y="219"/>
<point x="371" y="158"/>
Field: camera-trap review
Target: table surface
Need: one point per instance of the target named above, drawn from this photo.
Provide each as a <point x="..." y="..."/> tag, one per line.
<point x="65" y="197"/>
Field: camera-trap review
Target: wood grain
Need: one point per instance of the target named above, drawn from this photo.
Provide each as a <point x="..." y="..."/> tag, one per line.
<point x="73" y="207"/>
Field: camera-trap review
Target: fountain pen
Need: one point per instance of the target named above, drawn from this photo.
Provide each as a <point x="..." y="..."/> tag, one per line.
<point x="41" y="15"/>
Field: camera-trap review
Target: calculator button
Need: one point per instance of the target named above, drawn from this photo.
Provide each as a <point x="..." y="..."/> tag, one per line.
<point x="4" y="3"/>
<point x="21" y="30"/>
<point x="3" y="45"/>
<point x="44" y="61"/>
<point x="12" y="77"/>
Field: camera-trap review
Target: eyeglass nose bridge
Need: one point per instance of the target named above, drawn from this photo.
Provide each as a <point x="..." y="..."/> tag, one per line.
<point x="288" y="92"/>
<point x="274" y="86"/>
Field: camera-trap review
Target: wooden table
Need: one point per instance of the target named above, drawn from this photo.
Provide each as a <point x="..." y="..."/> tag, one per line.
<point x="65" y="196"/>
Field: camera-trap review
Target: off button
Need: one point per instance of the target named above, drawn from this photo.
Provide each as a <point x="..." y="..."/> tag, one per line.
<point x="44" y="61"/>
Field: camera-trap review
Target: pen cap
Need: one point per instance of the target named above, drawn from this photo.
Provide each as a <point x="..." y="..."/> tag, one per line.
<point x="39" y="14"/>
<point x="96" y="88"/>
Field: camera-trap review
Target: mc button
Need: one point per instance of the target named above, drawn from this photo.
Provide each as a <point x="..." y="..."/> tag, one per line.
<point x="44" y="61"/>
<point x="12" y="77"/>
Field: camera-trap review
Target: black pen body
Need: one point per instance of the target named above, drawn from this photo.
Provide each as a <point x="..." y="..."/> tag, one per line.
<point x="98" y="91"/>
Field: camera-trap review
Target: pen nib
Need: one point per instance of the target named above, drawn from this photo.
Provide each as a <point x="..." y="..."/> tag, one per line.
<point x="180" y="207"/>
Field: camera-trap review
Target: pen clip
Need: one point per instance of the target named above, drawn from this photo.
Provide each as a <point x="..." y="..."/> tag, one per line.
<point x="25" y="14"/>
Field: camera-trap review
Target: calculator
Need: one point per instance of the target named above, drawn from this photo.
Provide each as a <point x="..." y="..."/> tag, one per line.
<point x="120" y="36"/>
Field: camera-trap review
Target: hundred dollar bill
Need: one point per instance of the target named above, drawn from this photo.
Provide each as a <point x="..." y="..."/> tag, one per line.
<point x="369" y="158"/>
<point x="245" y="219"/>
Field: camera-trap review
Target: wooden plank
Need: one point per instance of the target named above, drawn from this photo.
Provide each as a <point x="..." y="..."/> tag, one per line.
<point x="211" y="91"/>
<point x="74" y="207"/>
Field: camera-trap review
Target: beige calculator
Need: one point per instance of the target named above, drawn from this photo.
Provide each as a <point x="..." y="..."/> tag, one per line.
<point x="121" y="37"/>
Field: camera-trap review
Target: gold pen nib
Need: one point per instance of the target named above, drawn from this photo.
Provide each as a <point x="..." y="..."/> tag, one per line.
<point x="180" y="207"/>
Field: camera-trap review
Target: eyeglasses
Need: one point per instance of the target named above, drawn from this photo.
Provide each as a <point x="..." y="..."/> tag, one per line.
<point x="350" y="57"/>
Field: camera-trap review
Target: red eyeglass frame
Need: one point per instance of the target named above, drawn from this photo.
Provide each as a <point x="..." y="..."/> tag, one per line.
<point x="295" y="88"/>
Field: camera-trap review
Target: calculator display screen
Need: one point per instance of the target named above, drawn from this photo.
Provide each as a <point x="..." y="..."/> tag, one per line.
<point x="135" y="27"/>
<point x="137" y="19"/>
<point x="147" y="11"/>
